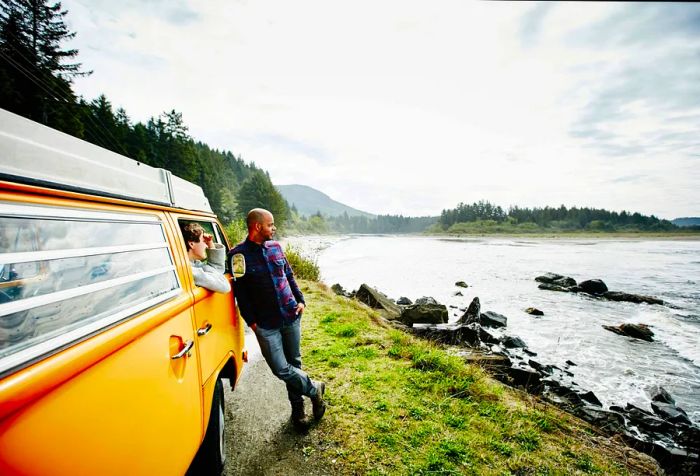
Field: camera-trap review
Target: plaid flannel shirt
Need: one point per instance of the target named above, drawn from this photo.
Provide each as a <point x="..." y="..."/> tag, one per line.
<point x="267" y="294"/>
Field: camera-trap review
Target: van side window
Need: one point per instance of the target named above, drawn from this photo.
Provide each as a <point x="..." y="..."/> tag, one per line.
<point x="67" y="274"/>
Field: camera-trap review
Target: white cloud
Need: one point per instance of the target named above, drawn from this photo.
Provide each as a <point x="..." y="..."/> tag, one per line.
<point x="406" y="107"/>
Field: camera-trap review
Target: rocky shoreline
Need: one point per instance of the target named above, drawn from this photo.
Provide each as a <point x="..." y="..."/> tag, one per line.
<point x="664" y="432"/>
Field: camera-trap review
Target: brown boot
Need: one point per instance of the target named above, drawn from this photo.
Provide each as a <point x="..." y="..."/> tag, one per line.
<point x="299" y="416"/>
<point x="319" y="406"/>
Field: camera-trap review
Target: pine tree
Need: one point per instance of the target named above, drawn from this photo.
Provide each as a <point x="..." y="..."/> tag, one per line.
<point x="35" y="72"/>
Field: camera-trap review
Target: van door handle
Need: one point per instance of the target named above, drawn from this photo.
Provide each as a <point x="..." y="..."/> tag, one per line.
<point x="202" y="331"/>
<point x="185" y="350"/>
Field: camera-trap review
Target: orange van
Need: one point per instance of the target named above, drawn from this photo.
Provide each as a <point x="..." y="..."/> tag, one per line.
<point x="111" y="359"/>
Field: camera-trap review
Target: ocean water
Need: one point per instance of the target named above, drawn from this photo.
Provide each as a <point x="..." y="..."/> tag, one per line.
<point x="501" y="272"/>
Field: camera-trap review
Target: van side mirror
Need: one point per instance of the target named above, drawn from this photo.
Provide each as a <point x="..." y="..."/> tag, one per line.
<point x="238" y="265"/>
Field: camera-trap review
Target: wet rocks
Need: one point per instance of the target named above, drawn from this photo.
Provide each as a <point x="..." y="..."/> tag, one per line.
<point x="427" y="313"/>
<point x="466" y="335"/>
<point x="670" y="412"/>
<point x="377" y="300"/>
<point x="461" y="284"/>
<point x="556" y="280"/>
<point x="533" y="311"/>
<point x="593" y="286"/>
<point x="404" y="301"/>
<point x="659" y="394"/>
<point x="635" y="298"/>
<point x="513" y="342"/>
<point x="473" y="313"/>
<point x="637" y="331"/>
<point x="493" y="319"/>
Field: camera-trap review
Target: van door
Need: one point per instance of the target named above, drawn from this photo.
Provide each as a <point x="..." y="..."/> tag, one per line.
<point x="98" y="370"/>
<point x="217" y="325"/>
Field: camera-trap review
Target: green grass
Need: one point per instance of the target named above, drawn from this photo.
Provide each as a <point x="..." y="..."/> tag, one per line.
<point x="399" y="406"/>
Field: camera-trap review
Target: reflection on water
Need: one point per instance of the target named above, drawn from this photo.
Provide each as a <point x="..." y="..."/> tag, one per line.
<point x="501" y="273"/>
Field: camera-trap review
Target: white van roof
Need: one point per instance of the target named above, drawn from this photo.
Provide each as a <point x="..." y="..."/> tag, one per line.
<point x="36" y="154"/>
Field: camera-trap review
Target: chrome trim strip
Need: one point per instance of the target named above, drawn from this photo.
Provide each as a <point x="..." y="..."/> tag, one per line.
<point x="36" y="301"/>
<point x="27" y="256"/>
<point x="26" y="355"/>
<point x="35" y="211"/>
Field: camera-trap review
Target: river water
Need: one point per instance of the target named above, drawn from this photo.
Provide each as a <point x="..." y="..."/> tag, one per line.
<point x="501" y="272"/>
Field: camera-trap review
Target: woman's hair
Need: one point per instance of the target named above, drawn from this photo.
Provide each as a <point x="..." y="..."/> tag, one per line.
<point x="191" y="232"/>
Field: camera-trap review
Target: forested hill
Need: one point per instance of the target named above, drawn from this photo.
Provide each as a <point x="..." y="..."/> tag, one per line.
<point x="484" y="216"/>
<point x="308" y="201"/>
<point x="36" y="81"/>
<point x="687" y="221"/>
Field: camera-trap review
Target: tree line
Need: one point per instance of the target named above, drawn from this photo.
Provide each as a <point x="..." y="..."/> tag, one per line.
<point x="36" y="81"/>
<point x="382" y="224"/>
<point x="560" y="219"/>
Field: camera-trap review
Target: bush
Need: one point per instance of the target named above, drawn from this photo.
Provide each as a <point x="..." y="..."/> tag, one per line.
<point x="236" y="231"/>
<point x="303" y="267"/>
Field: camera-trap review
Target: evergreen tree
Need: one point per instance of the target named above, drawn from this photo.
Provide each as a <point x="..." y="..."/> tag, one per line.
<point x="257" y="191"/>
<point x="35" y="72"/>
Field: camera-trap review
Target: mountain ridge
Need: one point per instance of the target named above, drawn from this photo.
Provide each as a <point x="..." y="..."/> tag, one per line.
<point x="308" y="201"/>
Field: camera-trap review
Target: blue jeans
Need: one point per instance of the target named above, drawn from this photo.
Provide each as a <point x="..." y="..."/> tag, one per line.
<point x="281" y="350"/>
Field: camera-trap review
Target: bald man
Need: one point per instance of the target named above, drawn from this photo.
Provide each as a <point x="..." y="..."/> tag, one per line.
<point x="272" y="304"/>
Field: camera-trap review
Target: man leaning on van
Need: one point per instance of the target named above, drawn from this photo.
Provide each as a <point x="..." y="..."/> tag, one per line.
<point x="201" y="246"/>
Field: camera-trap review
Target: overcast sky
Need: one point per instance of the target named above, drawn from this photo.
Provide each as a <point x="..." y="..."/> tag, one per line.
<point x="412" y="107"/>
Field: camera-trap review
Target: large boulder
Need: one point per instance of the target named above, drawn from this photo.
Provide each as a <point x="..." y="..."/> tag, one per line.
<point x="556" y="279"/>
<point x="493" y="319"/>
<point x="424" y="314"/>
<point x="635" y="298"/>
<point x="404" y="301"/>
<point x="593" y="286"/>
<point x="472" y="314"/>
<point x="670" y="413"/>
<point x="513" y="342"/>
<point x="659" y="394"/>
<point x="637" y="331"/>
<point x="377" y="300"/>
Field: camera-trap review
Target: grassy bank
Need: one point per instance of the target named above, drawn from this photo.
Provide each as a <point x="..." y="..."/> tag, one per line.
<point x="398" y="405"/>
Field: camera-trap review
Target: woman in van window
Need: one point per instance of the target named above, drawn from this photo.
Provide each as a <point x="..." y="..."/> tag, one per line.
<point x="200" y="246"/>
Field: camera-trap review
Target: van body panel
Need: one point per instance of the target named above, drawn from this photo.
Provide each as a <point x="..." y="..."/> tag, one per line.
<point x="114" y="401"/>
<point x="108" y="419"/>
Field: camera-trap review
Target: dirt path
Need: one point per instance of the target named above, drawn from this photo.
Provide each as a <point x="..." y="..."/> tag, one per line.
<point x="260" y="439"/>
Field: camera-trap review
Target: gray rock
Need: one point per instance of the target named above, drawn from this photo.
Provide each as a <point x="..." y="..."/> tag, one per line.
<point x="637" y="331"/>
<point x="377" y="300"/>
<point x="593" y="286"/>
<point x="670" y="412"/>
<point x="513" y="342"/>
<point x="659" y="394"/>
<point x="590" y="398"/>
<point x="472" y="315"/>
<point x="338" y="289"/>
<point x="635" y="298"/>
<point x="462" y="335"/>
<point x="493" y="319"/>
<point x="487" y="337"/>
<point x="526" y="378"/>
<point x="404" y="301"/>
<point x="424" y="314"/>
<point x="426" y="300"/>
